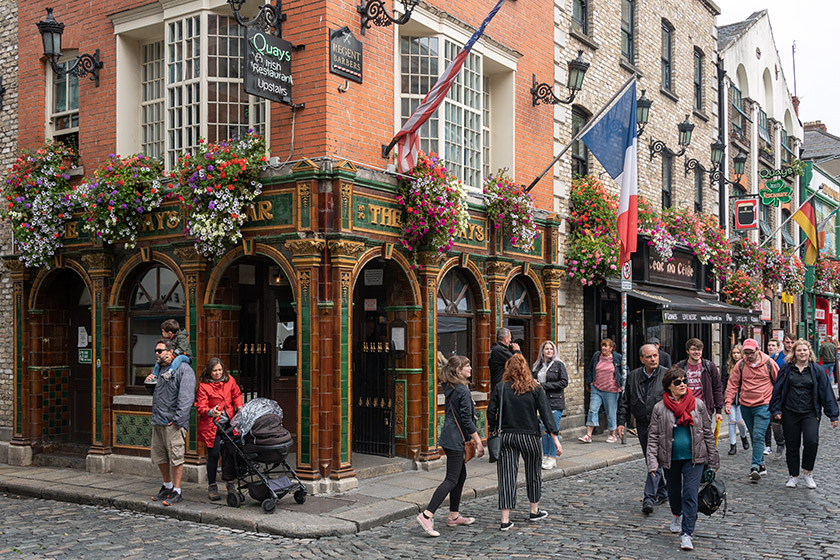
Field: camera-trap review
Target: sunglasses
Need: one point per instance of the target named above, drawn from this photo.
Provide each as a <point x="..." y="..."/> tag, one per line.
<point x="678" y="382"/>
<point x="160" y="350"/>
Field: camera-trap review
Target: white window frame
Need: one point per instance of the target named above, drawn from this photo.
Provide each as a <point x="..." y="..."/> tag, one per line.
<point x="498" y="69"/>
<point x="51" y="116"/>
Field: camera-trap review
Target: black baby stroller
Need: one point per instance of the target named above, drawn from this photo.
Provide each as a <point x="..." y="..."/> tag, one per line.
<point x="259" y="444"/>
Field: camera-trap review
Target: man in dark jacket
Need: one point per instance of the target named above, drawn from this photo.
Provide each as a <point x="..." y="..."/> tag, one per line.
<point x="500" y="353"/>
<point x="642" y="390"/>
<point x="702" y="377"/>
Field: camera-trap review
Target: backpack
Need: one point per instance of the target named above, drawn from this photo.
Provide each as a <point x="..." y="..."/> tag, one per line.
<point x="742" y="364"/>
<point x="712" y="494"/>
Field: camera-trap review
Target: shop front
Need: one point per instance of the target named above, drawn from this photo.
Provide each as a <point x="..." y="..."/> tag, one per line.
<point x="317" y="308"/>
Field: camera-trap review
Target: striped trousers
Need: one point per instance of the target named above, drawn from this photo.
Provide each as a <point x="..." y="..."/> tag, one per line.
<point x="507" y="467"/>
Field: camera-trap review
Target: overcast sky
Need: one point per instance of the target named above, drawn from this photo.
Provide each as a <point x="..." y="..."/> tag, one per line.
<point x="813" y="24"/>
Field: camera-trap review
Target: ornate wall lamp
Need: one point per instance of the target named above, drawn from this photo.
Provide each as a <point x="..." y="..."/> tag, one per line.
<point x="544" y="92"/>
<point x="716" y="171"/>
<point x="658" y="146"/>
<point x="84" y="64"/>
<point x="373" y="11"/>
<point x="642" y="113"/>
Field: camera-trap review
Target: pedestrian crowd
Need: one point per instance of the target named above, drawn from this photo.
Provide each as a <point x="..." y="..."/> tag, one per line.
<point x="676" y="412"/>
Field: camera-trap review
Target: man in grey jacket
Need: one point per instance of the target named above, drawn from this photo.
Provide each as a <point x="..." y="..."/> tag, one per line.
<point x="171" y="405"/>
<point x="642" y="391"/>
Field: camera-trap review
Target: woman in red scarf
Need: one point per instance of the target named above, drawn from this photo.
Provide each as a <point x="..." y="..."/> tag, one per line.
<point x="680" y="440"/>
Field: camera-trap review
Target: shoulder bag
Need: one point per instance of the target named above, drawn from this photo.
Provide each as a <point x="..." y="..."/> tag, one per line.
<point x="712" y="494"/>
<point x="494" y="442"/>
<point x="469" y="446"/>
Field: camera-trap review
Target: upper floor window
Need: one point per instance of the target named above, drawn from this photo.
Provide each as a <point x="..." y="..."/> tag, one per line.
<point x="787" y="230"/>
<point x="698" y="79"/>
<point x="580" y="16"/>
<point x="763" y="126"/>
<point x="787" y="152"/>
<point x="667" y="55"/>
<point x="628" y="35"/>
<point x="64" y="108"/>
<point x="667" y="180"/>
<point x="152" y="100"/>
<point x="739" y="117"/>
<point x="580" y="155"/>
<point x="698" y="191"/>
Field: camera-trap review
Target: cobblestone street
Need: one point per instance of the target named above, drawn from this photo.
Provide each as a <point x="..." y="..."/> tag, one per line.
<point x="593" y="515"/>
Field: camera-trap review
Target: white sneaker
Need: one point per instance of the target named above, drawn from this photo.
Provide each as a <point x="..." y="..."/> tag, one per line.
<point x="676" y="524"/>
<point x="809" y="481"/>
<point x="792" y="482"/>
<point x="549" y="463"/>
<point x="545" y="462"/>
<point x="685" y="542"/>
<point x="768" y="450"/>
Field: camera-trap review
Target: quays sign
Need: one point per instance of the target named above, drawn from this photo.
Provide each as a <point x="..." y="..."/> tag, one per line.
<point x="268" y="66"/>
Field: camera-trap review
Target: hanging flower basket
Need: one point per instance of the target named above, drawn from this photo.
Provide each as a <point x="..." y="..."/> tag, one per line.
<point x="593" y="246"/>
<point x="794" y="279"/>
<point x="775" y="267"/>
<point x="510" y="209"/>
<point x="435" y="205"/>
<point x="37" y="192"/>
<point x="826" y="276"/>
<point x="121" y="192"/>
<point x="217" y="184"/>
<point x="748" y="258"/>
<point x="743" y="290"/>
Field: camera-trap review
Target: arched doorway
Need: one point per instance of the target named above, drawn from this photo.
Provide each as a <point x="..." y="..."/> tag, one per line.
<point x="63" y="359"/>
<point x="381" y="299"/>
<point x="518" y="315"/>
<point x="254" y="302"/>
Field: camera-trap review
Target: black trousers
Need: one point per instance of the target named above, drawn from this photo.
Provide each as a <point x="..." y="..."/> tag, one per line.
<point x="655" y="487"/>
<point x="453" y="484"/>
<point x="228" y="461"/>
<point x="801" y="429"/>
<point x="778" y="433"/>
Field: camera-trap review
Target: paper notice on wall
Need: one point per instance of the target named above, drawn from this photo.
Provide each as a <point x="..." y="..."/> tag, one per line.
<point x="83" y="337"/>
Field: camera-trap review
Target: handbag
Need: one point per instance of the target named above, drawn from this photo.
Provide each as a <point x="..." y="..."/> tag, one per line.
<point x="469" y="446"/>
<point x="494" y="442"/>
<point x="712" y="494"/>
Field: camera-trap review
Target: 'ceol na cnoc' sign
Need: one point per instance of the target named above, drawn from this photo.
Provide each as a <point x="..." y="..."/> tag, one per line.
<point x="268" y="66"/>
<point x="346" y="54"/>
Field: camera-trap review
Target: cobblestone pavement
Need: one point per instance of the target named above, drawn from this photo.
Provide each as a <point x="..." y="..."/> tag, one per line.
<point x="593" y="515"/>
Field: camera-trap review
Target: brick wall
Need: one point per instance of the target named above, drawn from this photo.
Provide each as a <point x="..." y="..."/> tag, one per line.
<point x="8" y="149"/>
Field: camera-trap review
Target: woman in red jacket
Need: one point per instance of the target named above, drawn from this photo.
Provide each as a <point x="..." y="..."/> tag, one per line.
<point x="218" y="397"/>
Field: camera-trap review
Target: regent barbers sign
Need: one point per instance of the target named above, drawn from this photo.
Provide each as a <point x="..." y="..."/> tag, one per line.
<point x="268" y="66"/>
<point x="346" y="54"/>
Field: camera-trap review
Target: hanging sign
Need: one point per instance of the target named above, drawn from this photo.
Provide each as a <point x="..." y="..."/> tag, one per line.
<point x="268" y="66"/>
<point x="346" y="54"/>
<point x="746" y="213"/>
<point x="784" y="172"/>
<point x="776" y="192"/>
<point x="626" y="277"/>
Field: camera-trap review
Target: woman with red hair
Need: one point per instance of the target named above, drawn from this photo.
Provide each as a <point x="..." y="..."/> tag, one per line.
<point x="521" y="399"/>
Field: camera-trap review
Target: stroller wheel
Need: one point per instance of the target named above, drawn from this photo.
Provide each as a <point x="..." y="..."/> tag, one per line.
<point x="300" y="496"/>
<point x="269" y="505"/>
<point x="234" y="499"/>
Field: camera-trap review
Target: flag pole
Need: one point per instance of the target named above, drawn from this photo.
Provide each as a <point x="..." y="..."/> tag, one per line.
<point x="584" y="130"/>
<point x="783" y="224"/>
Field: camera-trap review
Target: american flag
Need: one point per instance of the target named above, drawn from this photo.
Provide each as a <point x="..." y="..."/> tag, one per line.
<point x="407" y="139"/>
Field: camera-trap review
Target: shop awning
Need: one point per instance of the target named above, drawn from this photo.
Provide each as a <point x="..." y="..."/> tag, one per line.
<point x="679" y="308"/>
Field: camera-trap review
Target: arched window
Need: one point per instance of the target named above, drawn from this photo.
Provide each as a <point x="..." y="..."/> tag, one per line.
<point x="157" y="295"/>
<point x="455" y="315"/>
<point x="518" y="314"/>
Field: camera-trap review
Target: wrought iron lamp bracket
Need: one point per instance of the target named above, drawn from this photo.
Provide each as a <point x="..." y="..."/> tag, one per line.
<point x="657" y="147"/>
<point x="715" y="173"/>
<point x="83" y="65"/>
<point x="374" y="12"/>
<point x="268" y="17"/>
<point x="545" y="93"/>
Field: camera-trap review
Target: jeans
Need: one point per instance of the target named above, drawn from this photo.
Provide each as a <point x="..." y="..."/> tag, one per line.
<point x="547" y="442"/>
<point x="757" y="418"/>
<point x="829" y="370"/>
<point x="735" y="419"/>
<point x="179" y="359"/>
<point x="654" y="486"/>
<point x="453" y="484"/>
<point x="683" y="486"/>
<point x="805" y="429"/>
<point x="610" y="402"/>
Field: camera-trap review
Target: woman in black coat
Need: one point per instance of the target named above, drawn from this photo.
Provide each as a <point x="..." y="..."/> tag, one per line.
<point x="550" y="371"/>
<point x="801" y="393"/>
<point x="458" y="428"/>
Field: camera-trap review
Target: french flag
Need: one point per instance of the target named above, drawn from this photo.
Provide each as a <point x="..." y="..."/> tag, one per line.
<point x="612" y="140"/>
<point x="408" y="137"/>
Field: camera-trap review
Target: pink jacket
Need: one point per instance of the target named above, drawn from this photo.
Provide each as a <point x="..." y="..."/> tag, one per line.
<point x="755" y="383"/>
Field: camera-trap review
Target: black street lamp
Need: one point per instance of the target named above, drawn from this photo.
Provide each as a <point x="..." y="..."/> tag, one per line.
<point x="84" y="64"/>
<point x="642" y="112"/>
<point x="715" y="173"/>
<point x="658" y="146"/>
<point x="544" y="92"/>
<point x="373" y="11"/>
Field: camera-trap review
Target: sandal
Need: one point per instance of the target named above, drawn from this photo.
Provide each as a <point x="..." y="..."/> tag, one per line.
<point x="460" y="520"/>
<point x="585" y="439"/>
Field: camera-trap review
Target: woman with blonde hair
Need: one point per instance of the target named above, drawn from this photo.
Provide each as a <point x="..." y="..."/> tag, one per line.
<point x="521" y="399"/>
<point x="458" y="428"/>
<point x="736" y="421"/>
<point x="550" y="372"/>
<point x="801" y="394"/>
